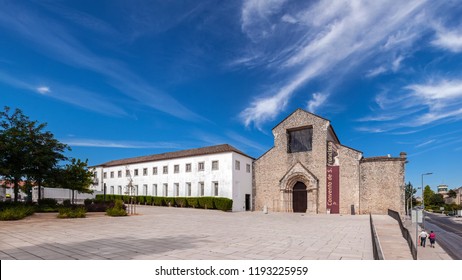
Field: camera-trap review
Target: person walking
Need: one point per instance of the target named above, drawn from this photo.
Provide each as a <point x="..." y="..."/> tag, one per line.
<point x="432" y="238"/>
<point x="423" y="237"/>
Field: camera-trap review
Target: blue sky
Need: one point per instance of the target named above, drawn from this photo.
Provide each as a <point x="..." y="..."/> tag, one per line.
<point x="116" y="79"/>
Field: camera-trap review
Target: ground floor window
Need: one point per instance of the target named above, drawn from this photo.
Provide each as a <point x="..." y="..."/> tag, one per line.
<point x="215" y="188"/>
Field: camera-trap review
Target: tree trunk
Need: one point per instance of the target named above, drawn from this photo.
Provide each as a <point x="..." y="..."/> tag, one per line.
<point x="16" y="189"/>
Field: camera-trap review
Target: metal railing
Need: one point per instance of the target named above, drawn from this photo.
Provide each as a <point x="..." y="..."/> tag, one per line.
<point x="405" y="232"/>
<point x="377" y="250"/>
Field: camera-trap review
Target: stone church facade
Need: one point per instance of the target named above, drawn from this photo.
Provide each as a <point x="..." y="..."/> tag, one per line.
<point x="308" y="170"/>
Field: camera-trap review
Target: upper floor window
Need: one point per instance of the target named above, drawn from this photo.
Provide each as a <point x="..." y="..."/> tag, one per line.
<point x="300" y="140"/>
<point x="119" y="174"/>
<point x="176" y="168"/>
<point x="247" y="168"/>
<point x="215" y="165"/>
<point x="104" y="175"/>
<point x="201" y="166"/>
<point x="154" y="171"/>
<point x="127" y="173"/>
<point x="165" y="169"/>
<point x="112" y="174"/>
<point x="145" y="171"/>
<point x="237" y="165"/>
<point x="136" y="172"/>
<point x="188" y="167"/>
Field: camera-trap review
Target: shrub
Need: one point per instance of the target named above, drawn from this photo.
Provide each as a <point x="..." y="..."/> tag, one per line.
<point x="142" y="199"/>
<point x="149" y="200"/>
<point x="169" y="201"/>
<point x="88" y="201"/>
<point x="206" y="202"/>
<point x="159" y="201"/>
<point x="192" y="202"/>
<point x="72" y="212"/>
<point x="16" y="212"/>
<point x="67" y="203"/>
<point x="50" y="202"/>
<point x="181" y="201"/>
<point x="99" y="197"/>
<point x="99" y="206"/>
<point x="223" y="203"/>
<point x="117" y="210"/>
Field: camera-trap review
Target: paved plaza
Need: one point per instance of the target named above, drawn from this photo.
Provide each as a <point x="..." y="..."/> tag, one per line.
<point x="182" y="233"/>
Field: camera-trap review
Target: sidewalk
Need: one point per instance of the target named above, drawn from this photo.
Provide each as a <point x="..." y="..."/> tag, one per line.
<point x="426" y="253"/>
<point x="394" y="246"/>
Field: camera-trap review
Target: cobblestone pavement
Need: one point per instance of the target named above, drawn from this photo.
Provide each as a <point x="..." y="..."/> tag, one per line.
<point x="180" y="233"/>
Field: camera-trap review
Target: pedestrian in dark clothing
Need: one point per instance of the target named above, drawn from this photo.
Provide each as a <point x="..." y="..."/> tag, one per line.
<point x="432" y="238"/>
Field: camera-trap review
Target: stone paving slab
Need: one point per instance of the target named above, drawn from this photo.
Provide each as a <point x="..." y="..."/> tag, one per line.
<point x="183" y="233"/>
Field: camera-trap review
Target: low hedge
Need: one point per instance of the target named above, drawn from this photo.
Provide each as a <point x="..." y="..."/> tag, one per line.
<point x="16" y="212"/>
<point x="117" y="210"/>
<point x="205" y="202"/>
<point x="72" y="212"/>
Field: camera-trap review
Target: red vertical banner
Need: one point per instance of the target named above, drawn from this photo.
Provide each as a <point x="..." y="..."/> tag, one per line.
<point x="332" y="192"/>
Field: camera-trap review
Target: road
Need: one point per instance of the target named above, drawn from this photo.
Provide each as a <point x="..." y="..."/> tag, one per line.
<point x="448" y="232"/>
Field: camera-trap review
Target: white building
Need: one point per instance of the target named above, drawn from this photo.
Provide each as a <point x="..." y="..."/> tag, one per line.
<point x="221" y="171"/>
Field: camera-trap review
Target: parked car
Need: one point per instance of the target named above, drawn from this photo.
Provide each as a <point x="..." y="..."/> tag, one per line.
<point x="451" y="213"/>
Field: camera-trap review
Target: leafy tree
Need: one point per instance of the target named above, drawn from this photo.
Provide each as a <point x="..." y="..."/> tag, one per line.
<point x="452" y="193"/>
<point x="75" y="176"/>
<point x="436" y="200"/>
<point x="26" y="151"/>
<point x="409" y="194"/>
<point x="428" y="194"/>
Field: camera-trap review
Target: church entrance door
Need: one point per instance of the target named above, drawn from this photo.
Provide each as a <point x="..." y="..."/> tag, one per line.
<point x="299" y="198"/>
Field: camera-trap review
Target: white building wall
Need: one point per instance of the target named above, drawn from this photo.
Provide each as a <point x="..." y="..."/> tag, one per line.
<point x="227" y="186"/>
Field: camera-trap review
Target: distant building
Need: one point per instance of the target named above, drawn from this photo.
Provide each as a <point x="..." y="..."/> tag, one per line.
<point x="221" y="171"/>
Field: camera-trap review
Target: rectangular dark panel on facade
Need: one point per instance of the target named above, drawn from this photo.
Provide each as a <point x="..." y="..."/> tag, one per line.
<point x="332" y="191"/>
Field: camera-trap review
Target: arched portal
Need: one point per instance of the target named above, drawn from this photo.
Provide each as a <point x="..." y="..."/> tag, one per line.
<point x="299" y="198"/>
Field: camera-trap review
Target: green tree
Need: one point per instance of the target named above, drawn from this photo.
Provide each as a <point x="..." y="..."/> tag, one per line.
<point x="409" y="194"/>
<point x="428" y="194"/>
<point x="452" y="193"/>
<point x="26" y="150"/>
<point x="436" y="200"/>
<point x="75" y="176"/>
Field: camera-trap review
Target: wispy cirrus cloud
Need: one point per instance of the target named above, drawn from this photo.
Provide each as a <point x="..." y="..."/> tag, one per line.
<point x="448" y="39"/>
<point x="43" y="89"/>
<point x="102" y="143"/>
<point x="326" y="37"/>
<point x="55" y="41"/>
<point x="317" y="100"/>
<point x="432" y="102"/>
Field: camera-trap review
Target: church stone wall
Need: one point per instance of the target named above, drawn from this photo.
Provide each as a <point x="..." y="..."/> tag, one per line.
<point x="271" y="167"/>
<point x="382" y="185"/>
<point x="349" y="179"/>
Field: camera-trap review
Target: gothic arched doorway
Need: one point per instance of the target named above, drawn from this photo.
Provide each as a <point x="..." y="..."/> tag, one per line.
<point x="299" y="198"/>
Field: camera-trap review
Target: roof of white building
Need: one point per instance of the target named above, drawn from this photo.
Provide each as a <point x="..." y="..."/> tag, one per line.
<point x="218" y="149"/>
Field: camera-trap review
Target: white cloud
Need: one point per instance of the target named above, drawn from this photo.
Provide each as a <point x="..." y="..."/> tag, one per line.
<point x="43" y="89"/>
<point x="448" y="39"/>
<point x="316" y="101"/>
<point x="332" y="36"/>
<point x="254" y="16"/>
<point x="377" y="71"/>
<point x="289" y="19"/>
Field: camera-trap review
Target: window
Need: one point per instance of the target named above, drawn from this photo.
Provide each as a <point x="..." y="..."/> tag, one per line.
<point x="215" y="188"/>
<point x="120" y="187"/>
<point x="112" y="189"/>
<point x="201" y="189"/>
<point x="119" y="174"/>
<point x="135" y="190"/>
<point x="136" y="172"/>
<point x="188" y="167"/>
<point x="177" y="189"/>
<point x="215" y="165"/>
<point x="145" y="172"/>
<point x="201" y="166"/>
<point x="105" y="175"/>
<point x="154" y="189"/>
<point x="127" y="173"/>
<point x="299" y="140"/>
<point x="154" y="171"/>
<point x="145" y="189"/>
<point x="188" y="189"/>
<point x="247" y="168"/>
<point x="165" y="169"/>
<point x="112" y="174"/>
<point x="237" y="165"/>
<point x="176" y="168"/>
<point x="165" y="189"/>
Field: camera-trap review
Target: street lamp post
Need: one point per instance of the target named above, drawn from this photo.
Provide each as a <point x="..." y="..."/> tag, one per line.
<point x="423" y="200"/>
